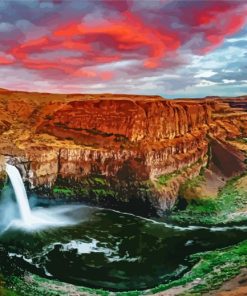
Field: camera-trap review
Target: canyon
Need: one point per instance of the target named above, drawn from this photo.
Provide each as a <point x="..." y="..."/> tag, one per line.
<point x="123" y="151"/>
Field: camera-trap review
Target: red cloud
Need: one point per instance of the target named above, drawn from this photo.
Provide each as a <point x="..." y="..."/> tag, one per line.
<point x="128" y="35"/>
<point x="5" y="60"/>
<point x="209" y="15"/>
<point x="219" y="24"/>
<point x="99" y="44"/>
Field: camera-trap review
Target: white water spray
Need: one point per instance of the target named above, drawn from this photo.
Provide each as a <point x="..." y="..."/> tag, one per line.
<point x="40" y="217"/>
<point x="20" y="193"/>
<point x="57" y="215"/>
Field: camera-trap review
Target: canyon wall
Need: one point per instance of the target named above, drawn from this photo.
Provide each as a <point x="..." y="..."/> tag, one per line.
<point x="118" y="150"/>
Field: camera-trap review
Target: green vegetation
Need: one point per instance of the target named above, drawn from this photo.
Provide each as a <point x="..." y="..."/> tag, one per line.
<point x="67" y="192"/>
<point x="100" y="180"/>
<point x="6" y="292"/>
<point x="101" y="193"/>
<point x="16" y="282"/>
<point x="101" y="189"/>
<point x="19" y="287"/>
<point x="191" y="183"/>
<point x="93" y="185"/>
<point x="3" y="182"/>
<point x="163" y="179"/>
<point x="241" y="140"/>
<point x="213" y="211"/>
<point x="212" y="268"/>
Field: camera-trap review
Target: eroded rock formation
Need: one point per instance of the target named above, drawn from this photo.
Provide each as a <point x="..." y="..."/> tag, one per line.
<point x="118" y="149"/>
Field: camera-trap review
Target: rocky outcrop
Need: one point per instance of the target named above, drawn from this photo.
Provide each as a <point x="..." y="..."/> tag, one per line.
<point x="229" y="160"/>
<point x="103" y="121"/>
<point x="117" y="149"/>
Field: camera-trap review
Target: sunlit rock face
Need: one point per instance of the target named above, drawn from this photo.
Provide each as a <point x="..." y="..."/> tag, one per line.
<point x="133" y="120"/>
<point x="134" y="148"/>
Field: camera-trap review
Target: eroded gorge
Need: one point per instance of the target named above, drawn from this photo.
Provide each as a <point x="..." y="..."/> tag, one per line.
<point x="179" y="164"/>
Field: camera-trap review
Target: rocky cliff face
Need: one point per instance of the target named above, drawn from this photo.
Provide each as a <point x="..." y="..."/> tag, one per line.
<point x="117" y="150"/>
<point x="98" y="121"/>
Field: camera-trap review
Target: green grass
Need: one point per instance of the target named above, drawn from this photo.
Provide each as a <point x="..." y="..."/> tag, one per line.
<point x="20" y="287"/>
<point x="163" y="179"/>
<point x="213" y="268"/>
<point x="101" y="193"/>
<point x="63" y="191"/>
<point x="212" y="210"/>
<point x="191" y="183"/>
<point x="6" y="292"/>
<point x="39" y="281"/>
<point x="100" y="180"/>
<point x="102" y="190"/>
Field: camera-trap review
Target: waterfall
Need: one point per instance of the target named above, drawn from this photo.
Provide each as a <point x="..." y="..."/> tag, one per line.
<point x="38" y="218"/>
<point x="20" y="193"/>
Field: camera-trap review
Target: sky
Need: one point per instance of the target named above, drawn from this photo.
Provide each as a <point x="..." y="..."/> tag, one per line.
<point x="185" y="48"/>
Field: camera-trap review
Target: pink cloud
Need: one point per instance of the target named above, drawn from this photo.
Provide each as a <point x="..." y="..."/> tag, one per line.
<point x="148" y="37"/>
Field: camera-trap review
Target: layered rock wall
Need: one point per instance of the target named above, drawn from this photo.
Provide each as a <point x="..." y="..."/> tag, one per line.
<point x="131" y="142"/>
<point x="121" y="120"/>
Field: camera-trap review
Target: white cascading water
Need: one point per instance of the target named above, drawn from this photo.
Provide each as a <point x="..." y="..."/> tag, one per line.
<point x="57" y="215"/>
<point x="20" y="193"/>
<point x="40" y="217"/>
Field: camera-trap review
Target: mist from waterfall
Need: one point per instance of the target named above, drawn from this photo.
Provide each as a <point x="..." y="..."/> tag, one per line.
<point x="15" y="210"/>
<point x="20" y="193"/>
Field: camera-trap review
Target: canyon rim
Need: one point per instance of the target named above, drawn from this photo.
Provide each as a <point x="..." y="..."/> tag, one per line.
<point x="123" y="148"/>
<point x="122" y="151"/>
<point x="179" y="162"/>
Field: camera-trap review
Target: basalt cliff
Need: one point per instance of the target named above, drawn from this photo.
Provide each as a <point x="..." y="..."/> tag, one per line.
<point x="123" y="151"/>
